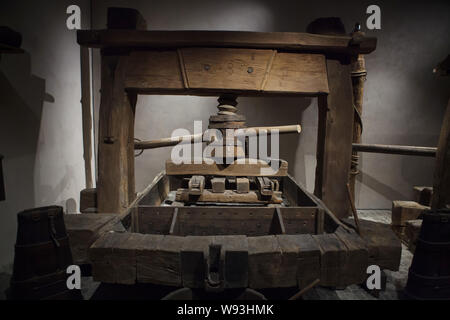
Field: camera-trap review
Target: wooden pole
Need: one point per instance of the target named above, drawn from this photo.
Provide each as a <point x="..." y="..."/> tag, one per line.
<point x="358" y="78"/>
<point x="167" y="142"/>
<point x="86" y="114"/>
<point x="393" y="149"/>
<point x="355" y="213"/>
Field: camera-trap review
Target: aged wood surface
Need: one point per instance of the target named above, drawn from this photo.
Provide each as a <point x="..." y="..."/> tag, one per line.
<point x="403" y="211"/>
<point x="244" y="168"/>
<point x="334" y="146"/>
<point x="115" y="187"/>
<point x="268" y="40"/>
<point x="441" y="183"/>
<point x="84" y="229"/>
<point x="383" y="245"/>
<point x="423" y="195"/>
<point x="86" y="112"/>
<point x="88" y="199"/>
<point x="264" y="261"/>
<point x="332" y="261"/>
<point x="215" y="70"/>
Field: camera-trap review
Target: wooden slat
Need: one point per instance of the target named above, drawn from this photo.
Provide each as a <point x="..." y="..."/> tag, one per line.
<point x="234" y="169"/>
<point x="242" y="39"/>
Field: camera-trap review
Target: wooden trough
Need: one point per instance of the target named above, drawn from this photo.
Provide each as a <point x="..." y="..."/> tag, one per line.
<point x="225" y="247"/>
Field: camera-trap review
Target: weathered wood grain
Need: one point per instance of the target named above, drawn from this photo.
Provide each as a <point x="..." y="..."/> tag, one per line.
<point x="247" y="168"/>
<point x="334" y="145"/>
<point x="243" y="39"/>
<point x="333" y="260"/>
<point x="403" y="211"/>
<point x="264" y="261"/>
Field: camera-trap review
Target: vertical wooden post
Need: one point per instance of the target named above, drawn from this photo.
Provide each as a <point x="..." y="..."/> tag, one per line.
<point x="334" y="145"/>
<point x="86" y="114"/>
<point x="358" y="78"/>
<point x="441" y="185"/>
<point x="115" y="187"/>
<point x="116" y="181"/>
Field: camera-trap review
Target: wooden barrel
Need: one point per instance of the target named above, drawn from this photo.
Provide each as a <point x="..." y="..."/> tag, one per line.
<point x="42" y="255"/>
<point x="429" y="274"/>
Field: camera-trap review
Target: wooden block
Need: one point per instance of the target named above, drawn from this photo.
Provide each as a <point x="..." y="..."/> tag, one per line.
<point x="403" y="211"/>
<point x="293" y="266"/>
<point x="88" y="199"/>
<point x="242" y="185"/>
<point x="84" y="229"/>
<point x="161" y="265"/>
<point x="193" y="255"/>
<point x="423" y="195"/>
<point x="196" y="185"/>
<point x="218" y="185"/>
<point x="123" y="258"/>
<point x="292" y="72"/>
<point x="357" y="256"/>
<point x="100" y="255"/>
<point x="383" y="245"/>
<point x="145" y="252"/>
<point x="235" y="260"/>
<point x="309" y="260"/>
<point x="264" y="261"/>
<point x="332" y="261"/>
<point x="412" y="231"/>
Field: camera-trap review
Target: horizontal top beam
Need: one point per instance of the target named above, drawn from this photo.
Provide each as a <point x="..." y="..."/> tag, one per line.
<point x="289" y="41"/>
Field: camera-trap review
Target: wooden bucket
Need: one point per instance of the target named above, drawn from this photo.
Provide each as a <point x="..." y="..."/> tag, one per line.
<point x="42" y="254"/>
<point x="429" y="274"/>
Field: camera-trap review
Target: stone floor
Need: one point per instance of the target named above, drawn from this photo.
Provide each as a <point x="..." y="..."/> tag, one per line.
<point x="396" y="281"/>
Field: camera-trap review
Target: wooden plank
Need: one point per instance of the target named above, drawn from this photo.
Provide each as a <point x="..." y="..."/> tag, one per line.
<point x="215" y="70"/>
<point x="308" y="267"/>
<point x="243" y="39"/>
<point x="84" y="229"/>
<point x="383" y="245"/>
<point x="154" y="70"/>
<point x="299" y="220"/>
<point x="86" y="113"/>
<point x="300" y="259"/>
<point x="403" y="211"/>
<point x="441" y="181"/>
<point x="155" y="219"/>
<point x="225" y="68"/>
<point x="100" y="255"/>
<point x="196" y="185"/>
<point x="228" y="196"/>
<point x="193" y="256"/>
<point x="115" y="187"/>
<point x="123" y="257"/>
<point x="332" y="261"/>
<point x="264" y="261"/>
<point x="253" y="221"/>
<point x="235" y="169"/>
<point x="357" y="257"/>
<point x="293" y="72"/>
<point x="235" y="260"/>
<point x="159" y="262"/>
<point x="335" y="136"/>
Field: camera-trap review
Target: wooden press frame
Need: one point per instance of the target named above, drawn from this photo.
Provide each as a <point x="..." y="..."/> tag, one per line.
<point x="209" y="63"/>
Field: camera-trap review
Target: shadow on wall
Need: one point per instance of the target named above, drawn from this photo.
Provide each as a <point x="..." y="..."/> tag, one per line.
<point x="22" y="95"/>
